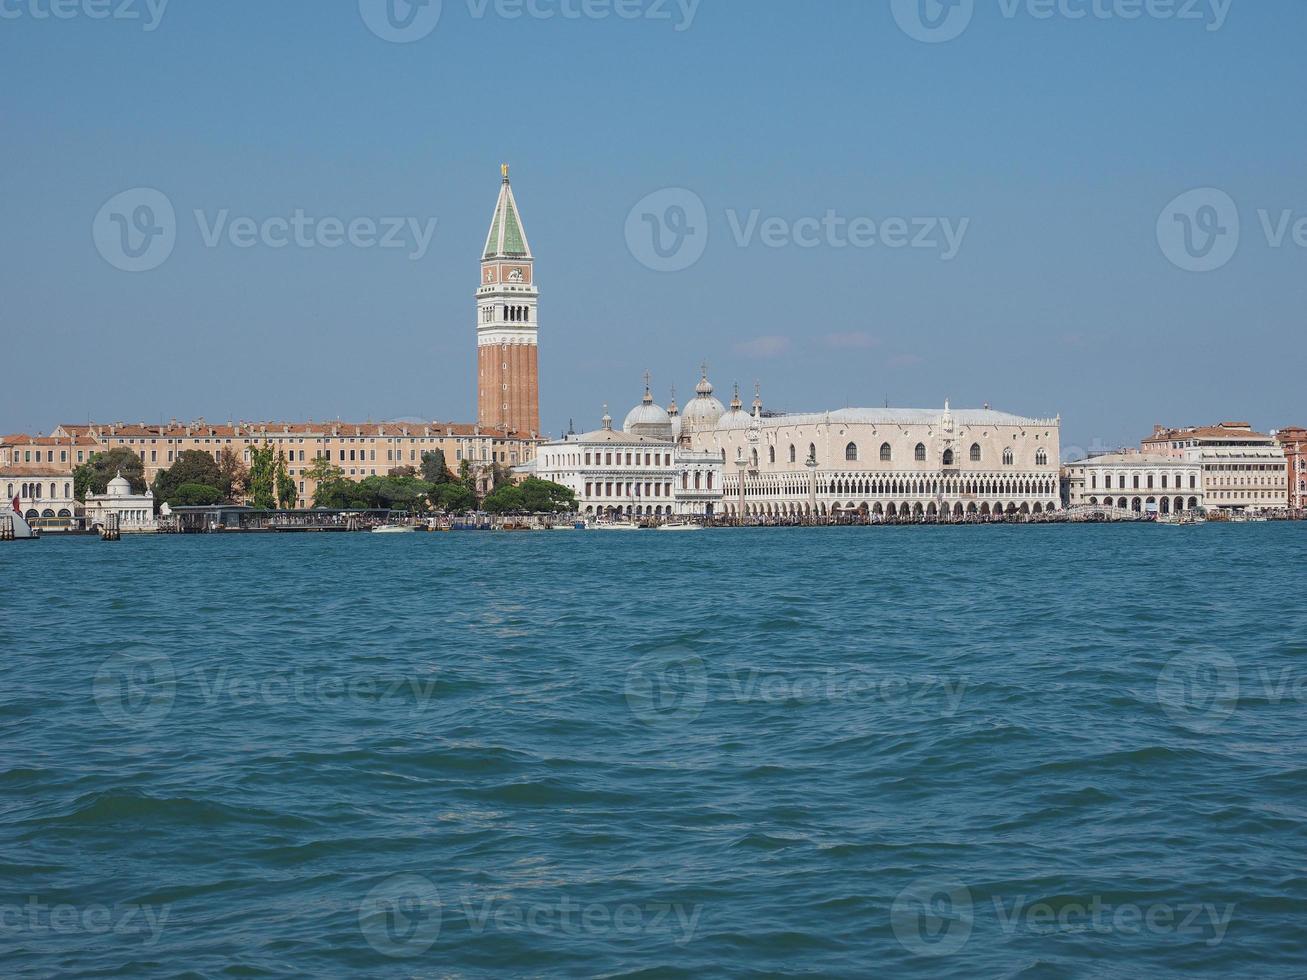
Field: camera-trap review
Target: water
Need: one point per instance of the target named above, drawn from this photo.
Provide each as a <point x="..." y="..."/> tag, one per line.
<point x="972" y="751"/>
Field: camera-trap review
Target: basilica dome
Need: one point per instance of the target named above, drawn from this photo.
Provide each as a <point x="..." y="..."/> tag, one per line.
<point x="737" y="416"/>
<point x="119" y="486"/>
<point x="703" y="411"/>
<point x="648" y="419"/>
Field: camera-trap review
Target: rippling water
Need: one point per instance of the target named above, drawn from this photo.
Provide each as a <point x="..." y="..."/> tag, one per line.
<point x="971" y="751"/>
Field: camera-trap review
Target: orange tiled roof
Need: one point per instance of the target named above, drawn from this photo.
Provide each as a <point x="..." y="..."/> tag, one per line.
<point x="26" y="440"/>
<point x="1206" y="432"/>
<point x="253" y="430"/>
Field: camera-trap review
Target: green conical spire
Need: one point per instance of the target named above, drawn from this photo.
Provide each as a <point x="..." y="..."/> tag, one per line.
<point x="506" y="238"/>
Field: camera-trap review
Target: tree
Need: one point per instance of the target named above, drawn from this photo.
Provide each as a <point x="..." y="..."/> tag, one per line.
<point x="191" y="468"/>
<point x="453" y="498"/>
<point x="263" y="477"/>
<point x="501" y="475"/>
<point x="402" y="471"/>
<point x="545" y="497"/>
<point x="287" y="494"/>
<point x="233" y="473"/>
<point x="194" y="495"/>
<point x="434" y="468"/>
<point x="505" y="500"/>
<point x="94" y="475"/>
<point x="324" y="475"/>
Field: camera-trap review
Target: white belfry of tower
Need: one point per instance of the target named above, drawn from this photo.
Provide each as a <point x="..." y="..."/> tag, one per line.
<point x="508" y="374"/>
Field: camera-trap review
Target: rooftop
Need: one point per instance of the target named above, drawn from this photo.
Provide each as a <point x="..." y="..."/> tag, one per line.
<point x="892" y="416"/>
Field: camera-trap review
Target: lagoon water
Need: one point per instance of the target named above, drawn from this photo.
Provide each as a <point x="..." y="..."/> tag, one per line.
<point x="941" y="752"/>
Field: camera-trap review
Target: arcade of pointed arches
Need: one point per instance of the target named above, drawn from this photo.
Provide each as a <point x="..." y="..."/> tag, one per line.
<point x="983" y="495"/>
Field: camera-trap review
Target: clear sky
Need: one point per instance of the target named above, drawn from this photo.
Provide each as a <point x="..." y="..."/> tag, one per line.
<point x="1049" y="145"/>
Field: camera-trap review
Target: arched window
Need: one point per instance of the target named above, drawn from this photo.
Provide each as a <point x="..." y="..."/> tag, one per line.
<point x="1007" y="457"/>
<point x="771" y="454"/>
<point x="921" y="452"/>
<point x="886" y="454"/>
<point x="851" y="452"/>
<point x="68" y="489"/>
<point x="975" y="452"/>
<point x="753" y="454"/>
<point x="1041" y="458"/>
<point x="812" y="451"/>
<point x="948" y="457"/>
<point x="792" y="452"/>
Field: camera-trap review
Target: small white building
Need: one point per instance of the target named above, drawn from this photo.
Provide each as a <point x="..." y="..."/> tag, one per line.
<point x="627" y="473"/>
<point x="1146" y="483"/>
<point x="135" y="512"/>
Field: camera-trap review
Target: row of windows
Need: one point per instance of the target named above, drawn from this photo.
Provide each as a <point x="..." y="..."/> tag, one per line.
<point x="632" y="459"/>
<point x="851" y="454"/>
<point x="1121" y="478"/>
<point x="32" y="491"/>
<point x="632" y="489"/>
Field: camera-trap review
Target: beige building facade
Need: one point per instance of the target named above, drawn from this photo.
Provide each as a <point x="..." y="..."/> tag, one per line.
<point x="1241" y="469"/>
<point x="359" y="449"/>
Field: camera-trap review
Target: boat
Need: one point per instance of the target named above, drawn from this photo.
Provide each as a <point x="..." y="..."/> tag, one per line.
<point x="679" y="527"/>
<point x="617" y="526"/>
<point x="394" y="529"/>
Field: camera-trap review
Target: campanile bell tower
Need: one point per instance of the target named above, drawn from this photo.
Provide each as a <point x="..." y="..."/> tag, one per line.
<point x="508" y="392"/>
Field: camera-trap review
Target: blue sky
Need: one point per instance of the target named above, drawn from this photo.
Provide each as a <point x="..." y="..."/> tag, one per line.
<point x="1050" y="144"/>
